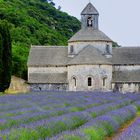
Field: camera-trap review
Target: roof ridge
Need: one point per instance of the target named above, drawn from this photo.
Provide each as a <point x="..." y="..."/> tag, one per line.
<point x="126" y="47"/>
<point x="89" y="34"/>
<point x="49" y="46"/>
<point x="130" y="47"/>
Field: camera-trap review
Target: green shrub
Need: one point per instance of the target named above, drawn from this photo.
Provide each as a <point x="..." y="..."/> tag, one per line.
<point x="22" y="134"/>
<point x="72" y="137"/>
<point x="75" y="109"/>
<point x="94" y="133"/>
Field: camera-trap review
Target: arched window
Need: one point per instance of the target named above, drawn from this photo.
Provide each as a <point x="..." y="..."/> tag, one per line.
<point x="89" y="22"/>
<point x="129" y="85"/>
<point x="74" y="81"/>
<point x="107" y="49"/>
<point x="71" y="49"/>
<point x="89" y="81"/>
<point x="104" y="81"/>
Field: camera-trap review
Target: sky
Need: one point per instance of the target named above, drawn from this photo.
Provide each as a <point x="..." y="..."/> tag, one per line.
<point x="119" y="19"/>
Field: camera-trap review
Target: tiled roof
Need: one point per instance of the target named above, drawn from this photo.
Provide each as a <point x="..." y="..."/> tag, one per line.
<point x="89" y="34"/>
<point x="126" y="55"/>
<point x="89" y="9"/>
<point x="126" y="76"/>
<point x="48" y="56"/>
<point x="89" y="55"/>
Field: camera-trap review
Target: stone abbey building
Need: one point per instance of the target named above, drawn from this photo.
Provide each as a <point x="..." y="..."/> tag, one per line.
<point x="88" y="63"/>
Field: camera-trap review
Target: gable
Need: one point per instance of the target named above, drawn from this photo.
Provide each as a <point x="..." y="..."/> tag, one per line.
<point x="89" y="55"/>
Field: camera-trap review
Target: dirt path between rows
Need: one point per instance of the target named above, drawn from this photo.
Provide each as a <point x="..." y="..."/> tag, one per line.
<point x="122" y="128"/>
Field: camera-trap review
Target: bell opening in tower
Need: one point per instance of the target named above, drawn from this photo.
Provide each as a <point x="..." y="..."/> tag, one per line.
<point x="89" y="22"/>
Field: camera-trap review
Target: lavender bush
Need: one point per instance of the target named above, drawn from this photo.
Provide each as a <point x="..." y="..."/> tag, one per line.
<point x="102" y="126"/>
<point x="131" y="133"/>
<point x="67" y="115"/>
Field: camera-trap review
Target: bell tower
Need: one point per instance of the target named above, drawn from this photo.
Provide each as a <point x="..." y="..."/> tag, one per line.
<point x="90" y="34"/>
<point x="89" y="17"/>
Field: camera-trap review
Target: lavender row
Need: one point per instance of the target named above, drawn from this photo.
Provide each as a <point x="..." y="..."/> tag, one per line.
<point x="30" y="117"/>
<point x="12" y="102"/>
<point x="10" y="113"/>
<point x="54" y="100"/>
<point x="131" y="133"/>
<point x="24" y="120"/>
<point x="38" y="115"/>
<point x="69" y="122"/>
<point x="100" y="127"/>
<point x="66" y="122"/>
<point x="57" y="104"/>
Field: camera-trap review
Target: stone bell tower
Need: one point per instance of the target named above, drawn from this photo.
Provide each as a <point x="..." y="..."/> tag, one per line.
<point x="89" y="17"/>
<point x="89" y="34"/>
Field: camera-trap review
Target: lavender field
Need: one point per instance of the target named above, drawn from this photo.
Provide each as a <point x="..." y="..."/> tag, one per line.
<point x="69" y="116"/>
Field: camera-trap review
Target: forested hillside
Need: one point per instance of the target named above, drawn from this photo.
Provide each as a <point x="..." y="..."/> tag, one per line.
<point x="35" y="22"/>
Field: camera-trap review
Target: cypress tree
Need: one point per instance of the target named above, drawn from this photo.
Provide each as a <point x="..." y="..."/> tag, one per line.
<point x="1" y="64"/>
<point x="5" y="56"/>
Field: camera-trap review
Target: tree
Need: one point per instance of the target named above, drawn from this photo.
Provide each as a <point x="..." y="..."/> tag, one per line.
<point x="5" y="56"/>
<point x="1" y="66"/>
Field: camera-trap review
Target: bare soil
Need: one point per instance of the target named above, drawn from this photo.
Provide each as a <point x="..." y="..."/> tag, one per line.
<point x="18" y="85"/>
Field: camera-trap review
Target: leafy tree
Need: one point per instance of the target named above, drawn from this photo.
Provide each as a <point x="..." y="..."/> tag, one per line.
<point x="5" y="56"/>
<point x="35" y="22"/>
<point x="115" y="45"/>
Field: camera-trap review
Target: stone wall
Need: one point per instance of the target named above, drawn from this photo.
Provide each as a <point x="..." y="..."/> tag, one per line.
<point x="96" y="72"/>
<point x="48" y="87"/>
<point x="127" y="87"/>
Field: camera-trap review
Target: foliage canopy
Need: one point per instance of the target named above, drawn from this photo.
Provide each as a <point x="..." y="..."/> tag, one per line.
<point x="35" y="22"/>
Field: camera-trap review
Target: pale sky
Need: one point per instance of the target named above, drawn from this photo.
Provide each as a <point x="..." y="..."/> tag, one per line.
<point x="119" y="19"/>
